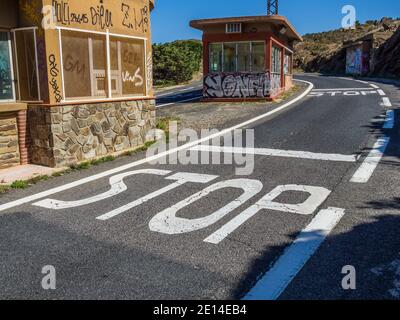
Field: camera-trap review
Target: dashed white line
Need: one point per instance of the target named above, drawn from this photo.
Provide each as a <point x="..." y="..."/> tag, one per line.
<point x="381" y="92"/>
<point x="278" y="153"/>
<point x="367" y="168"/>
<point x="374" y="86"/>
<point x="386" y="102"/>
<point x="276" y="280"/>
<point x="389" y="122"/>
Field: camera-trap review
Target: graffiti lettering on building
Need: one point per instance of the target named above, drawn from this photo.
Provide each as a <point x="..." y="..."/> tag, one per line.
<point x="240" y="85"/>
<point x="101" y="17"/>
<point x="53" y="81"/>
<point x="137" y="79"/>
<point x="140" y="19"/>
<point x="73" y="65"/>
<point x="97" y="16"/>
<point x="149" y="66"/>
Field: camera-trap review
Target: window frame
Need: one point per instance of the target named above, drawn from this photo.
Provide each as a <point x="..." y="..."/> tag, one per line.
<point x="109" y="97"/>
<point x="11" y="57"/>
<point x="233" y="27"/>
<point x="34" y="29"/>
<point x="236" y="55"/>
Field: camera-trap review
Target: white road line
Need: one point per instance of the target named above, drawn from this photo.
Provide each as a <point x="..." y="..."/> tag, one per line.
<point x="389" y="122"/>
<point x="381" y="92"/>
<point x="173" y="93"/>
<point x="276" y="280"/>
<point x="367" y="168"/>
<point x="386" y="102"/>
<point x="186" y="146"/>
<point x="176" y="102"/>
<point x="374" y="86"/>
<point x="343" y="89"/>
<point x="278" y="153"/>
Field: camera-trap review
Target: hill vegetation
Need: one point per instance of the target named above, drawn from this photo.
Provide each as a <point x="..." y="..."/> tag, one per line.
<point x="176" y="62"/>
<point x="324" y="52"/>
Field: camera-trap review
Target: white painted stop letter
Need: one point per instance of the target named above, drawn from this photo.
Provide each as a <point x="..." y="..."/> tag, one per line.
<point x="167" y="222"/>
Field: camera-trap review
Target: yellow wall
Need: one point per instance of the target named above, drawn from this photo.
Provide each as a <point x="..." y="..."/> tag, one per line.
<point x="123" y="17"/>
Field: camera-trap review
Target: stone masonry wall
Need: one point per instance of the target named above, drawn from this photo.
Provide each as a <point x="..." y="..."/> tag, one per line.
<point x="64" y="135"/>
<point x="9" y="150"/>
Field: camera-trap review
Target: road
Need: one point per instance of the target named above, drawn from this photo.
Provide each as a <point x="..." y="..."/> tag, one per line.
<point x="191" y="92"/>
<point x="320" y="198"/>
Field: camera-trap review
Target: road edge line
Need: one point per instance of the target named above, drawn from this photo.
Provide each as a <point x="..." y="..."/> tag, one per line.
<point x="274" y="282"/>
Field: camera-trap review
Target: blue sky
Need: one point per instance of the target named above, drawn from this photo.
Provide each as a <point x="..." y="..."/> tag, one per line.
<point x="170" y="18"/>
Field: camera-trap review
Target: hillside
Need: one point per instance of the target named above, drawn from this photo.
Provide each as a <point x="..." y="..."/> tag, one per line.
<point x="324" y="52"/>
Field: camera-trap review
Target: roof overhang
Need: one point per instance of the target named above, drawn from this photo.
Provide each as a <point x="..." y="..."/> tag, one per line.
<point x="274" y="19"/>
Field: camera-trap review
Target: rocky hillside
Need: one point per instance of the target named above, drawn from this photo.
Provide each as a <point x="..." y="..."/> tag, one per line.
<point x="325" y="52"/>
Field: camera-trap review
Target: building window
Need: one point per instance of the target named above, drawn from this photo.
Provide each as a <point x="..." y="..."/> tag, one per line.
<point x="230" y="57"/>
<point x="233" y="28"/>
<point x="237" y="57"/>
<point x="276" y="60"/>
<point x="87" y="74"/>
<point x="258" y="57"/>
<point x="84" y="64"/>
<point x="243" y="57"/>
<point x="127" y="67"/>
<point x="216" y="57"/>
<point x="26" y="64"/>
<point x="288" y="64"/>
<point x="6" y="72"/>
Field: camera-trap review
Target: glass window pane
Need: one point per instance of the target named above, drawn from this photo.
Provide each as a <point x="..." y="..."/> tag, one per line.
<point x="6" y="91"/>
<point x="84" y="62"/>
<point x="276" y="59"/>
<point x="127" y="67"/>
<point x="229" y="57"/>
<point x="288" y="64"/>
<point x="243" y="57"/>
<point x="258" y="57"/>
<point x="26" y="60"/>
<point x="215" y="57"/>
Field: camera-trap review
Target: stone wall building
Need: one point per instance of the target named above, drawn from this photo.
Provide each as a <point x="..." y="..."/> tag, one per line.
<point x="247" y="57"/>
<point x="76" y="79"/>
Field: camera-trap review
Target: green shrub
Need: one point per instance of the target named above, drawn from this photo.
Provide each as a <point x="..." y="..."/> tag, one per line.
<point x="176" y="62"/>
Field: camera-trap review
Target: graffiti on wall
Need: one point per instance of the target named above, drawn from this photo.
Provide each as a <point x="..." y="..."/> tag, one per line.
<point x="132" y="16"/>
<point x="149" y="72"/>
<point x="54" y="72"/>
<point x="354" y="60"/>
<point x="239" y="85"/>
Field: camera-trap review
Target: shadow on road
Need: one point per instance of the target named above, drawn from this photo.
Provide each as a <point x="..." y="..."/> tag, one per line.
<point x="368" y="247"/>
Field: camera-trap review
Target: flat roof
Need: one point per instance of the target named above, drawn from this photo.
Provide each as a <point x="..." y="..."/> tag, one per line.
<point x="273" y="19"/>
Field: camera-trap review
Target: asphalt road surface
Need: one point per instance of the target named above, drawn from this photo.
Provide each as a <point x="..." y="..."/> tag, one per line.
<point x="188" y="93"/>
<point x="322" y="198"/>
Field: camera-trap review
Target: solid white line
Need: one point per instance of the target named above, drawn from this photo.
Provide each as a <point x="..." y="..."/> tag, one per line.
<point x="276" y="280"/>
<point x="367" y="168"/>
<point x="381" y="92"/>
<point x="374" y="86"/>
<point x="176" y="102"/>
<point x="386" y="102"/>
<point x="344" y="89"/>
<point x="389" y="122"/>
<point x="46" y="193"/>
<point x="173" y="93"/>
<point x="278" y="153"/>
